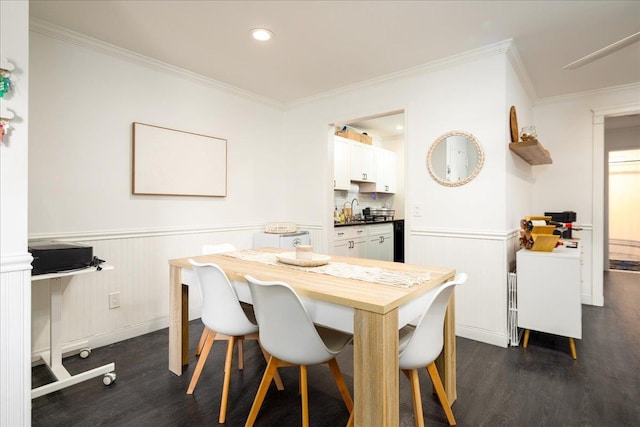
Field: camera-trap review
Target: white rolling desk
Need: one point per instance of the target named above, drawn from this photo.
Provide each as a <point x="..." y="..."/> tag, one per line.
<point x="549" y="293"/>
<point x="53" y="357"/>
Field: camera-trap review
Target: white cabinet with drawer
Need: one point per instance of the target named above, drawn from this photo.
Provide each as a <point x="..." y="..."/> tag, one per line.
<point x="549" y="291"/>
<point x="350" y="241"/>
<point x="380" y="242"/>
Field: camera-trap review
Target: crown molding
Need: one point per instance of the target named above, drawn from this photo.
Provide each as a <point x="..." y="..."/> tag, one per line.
<point x="606" y="90"/>
<point x="439" y="64"/>
<point x="54" y="31"/>
<point x="521" y="71"/>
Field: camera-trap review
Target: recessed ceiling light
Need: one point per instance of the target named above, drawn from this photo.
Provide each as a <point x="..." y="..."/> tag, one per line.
<point x="261" y="34"/>
<point x="399" y="127"/>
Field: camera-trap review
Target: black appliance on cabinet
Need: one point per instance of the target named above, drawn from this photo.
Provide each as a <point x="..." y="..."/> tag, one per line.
<point x="563" y="222"/>
<point x="398" y="240"/>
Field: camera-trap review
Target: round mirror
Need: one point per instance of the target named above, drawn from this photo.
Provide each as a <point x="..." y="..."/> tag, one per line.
<point x="455" y="158"/>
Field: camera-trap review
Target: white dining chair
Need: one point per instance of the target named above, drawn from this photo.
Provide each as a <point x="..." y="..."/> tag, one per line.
<point x="216" y="249"/>
<point x="225" y="318"/>
<point x="289" y="335"/>
<point x="420" y="346"/>
<point x="421" y="343"/>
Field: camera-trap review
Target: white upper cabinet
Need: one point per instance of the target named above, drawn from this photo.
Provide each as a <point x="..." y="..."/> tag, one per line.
<point x="363" y="165"/>
<point x="341" y="163"/>
<point x="385" y="173"/>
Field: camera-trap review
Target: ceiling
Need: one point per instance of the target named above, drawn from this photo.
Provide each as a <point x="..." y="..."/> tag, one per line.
<point x="323" y="46"/>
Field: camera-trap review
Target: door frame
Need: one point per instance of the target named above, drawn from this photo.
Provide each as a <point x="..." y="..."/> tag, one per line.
<point x="598" y="214"/>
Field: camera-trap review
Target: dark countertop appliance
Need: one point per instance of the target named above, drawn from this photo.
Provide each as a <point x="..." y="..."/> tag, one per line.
<point x="378" y="214"/>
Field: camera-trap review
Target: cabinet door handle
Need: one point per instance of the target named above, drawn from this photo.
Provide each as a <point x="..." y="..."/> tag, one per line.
<point x="386" y="187"/>
<point x="381" y="239"/>
<point x="340" y="234"/>
<point x="334" y="183"/>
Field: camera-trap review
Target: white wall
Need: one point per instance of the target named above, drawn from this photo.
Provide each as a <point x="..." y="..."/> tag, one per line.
<point x="462" y="227"/>
<point x="15" y="262"/>
<point x="84" y="96"/>
<point x="566" y="127"/>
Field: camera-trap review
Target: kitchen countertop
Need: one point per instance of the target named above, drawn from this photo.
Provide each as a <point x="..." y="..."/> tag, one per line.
<point x="349" y="224"/>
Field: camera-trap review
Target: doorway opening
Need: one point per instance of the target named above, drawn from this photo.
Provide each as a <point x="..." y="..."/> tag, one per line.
<point x="622" y="192"/>
<point x="624" y="205"/>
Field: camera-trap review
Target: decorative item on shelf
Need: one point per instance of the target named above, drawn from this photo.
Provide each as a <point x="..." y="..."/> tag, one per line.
<point x="513" y="124"/>
<point x="529" y="133"/>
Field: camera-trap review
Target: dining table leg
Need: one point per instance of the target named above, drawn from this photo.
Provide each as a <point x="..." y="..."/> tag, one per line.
<point x="375" y="360"/>
<point x="178" y="321"/>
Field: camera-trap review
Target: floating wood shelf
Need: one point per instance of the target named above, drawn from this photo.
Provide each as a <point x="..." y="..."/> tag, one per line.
<point x="531" y="151"/>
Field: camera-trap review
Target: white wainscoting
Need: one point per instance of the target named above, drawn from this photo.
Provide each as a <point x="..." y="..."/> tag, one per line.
<point x="487" y="257"/>
<point x="15" y="322"/>
<point x="586" y="288"/>
<point x="141" y="275"/>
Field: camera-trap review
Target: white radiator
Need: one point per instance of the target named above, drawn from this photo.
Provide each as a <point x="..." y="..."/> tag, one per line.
<point x="512" y="314"/>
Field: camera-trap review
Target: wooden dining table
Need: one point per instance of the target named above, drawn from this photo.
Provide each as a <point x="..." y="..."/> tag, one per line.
<point x="378" y="311"/>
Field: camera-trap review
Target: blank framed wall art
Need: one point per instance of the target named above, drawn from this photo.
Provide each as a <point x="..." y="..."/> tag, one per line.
<point x="177" y="163"/>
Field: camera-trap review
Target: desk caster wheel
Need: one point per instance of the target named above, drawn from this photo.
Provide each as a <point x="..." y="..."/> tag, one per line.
<point x="109" y="378"/>
<point x="85" y="352"/>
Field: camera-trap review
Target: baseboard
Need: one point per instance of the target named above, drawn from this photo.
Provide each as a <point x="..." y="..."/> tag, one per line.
<point x="482" y="335"/>
<point x="73" y="347"/>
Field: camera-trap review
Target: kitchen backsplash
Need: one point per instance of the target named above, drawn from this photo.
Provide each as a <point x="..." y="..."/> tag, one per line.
<point x="365" y="200"/>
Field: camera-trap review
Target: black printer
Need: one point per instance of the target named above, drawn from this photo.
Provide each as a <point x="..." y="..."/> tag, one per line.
<point x="50" y="256"/>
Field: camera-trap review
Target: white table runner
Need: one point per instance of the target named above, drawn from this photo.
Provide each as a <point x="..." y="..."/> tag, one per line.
<point x="341" y="269"/>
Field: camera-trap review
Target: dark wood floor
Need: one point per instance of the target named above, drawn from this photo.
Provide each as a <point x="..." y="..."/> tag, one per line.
<point x="539" y="386"/>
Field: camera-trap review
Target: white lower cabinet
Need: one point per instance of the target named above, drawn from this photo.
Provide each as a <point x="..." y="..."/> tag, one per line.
<point x="380" y="242"/>
<point x="549" y="291"/>
<point x="366" y="241"/>
<point x="350" y="241"/>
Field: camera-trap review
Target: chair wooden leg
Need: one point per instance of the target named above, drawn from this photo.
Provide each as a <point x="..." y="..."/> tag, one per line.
<point x="240" y="353"/>
<point x="304" y="395"/>
<point x="572" y="344"/>
<point x="416" y="396"/>
<point x="442" y="395"/>
<point x="525" y="341"/>
<point x="202" y="340"/>
<point x="350" y="422"/>
<point x="342" y="386"/>
<point x="272" y="365"/>
<point x="276" y="376"/>
<point x="206" y="348"/>
<point x="227" y="379"/>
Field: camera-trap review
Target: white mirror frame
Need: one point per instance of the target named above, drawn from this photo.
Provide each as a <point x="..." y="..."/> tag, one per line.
<point x="473" y="174"/>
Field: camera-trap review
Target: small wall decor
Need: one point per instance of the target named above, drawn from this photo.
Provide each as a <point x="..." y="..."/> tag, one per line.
<point x="5" y="76"/>
<point x="455" y="158"/>
<point x="178" y="163"/>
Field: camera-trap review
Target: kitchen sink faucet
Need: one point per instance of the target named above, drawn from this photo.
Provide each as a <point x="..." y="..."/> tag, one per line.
<point x="357" y="202"/>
